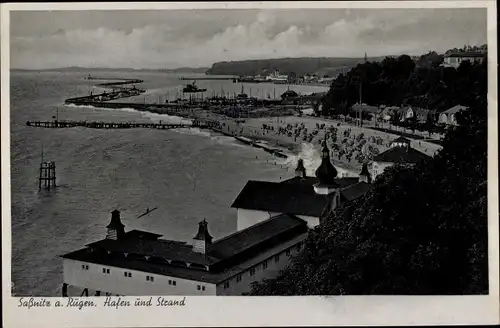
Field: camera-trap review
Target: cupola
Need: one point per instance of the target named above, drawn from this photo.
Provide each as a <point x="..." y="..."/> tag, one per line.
<point x="326" y="173"/>
<point x="202" y="240"/>
<point x="364" y="175"/>
<point x="300" y="171"/>
<point x="116" y="229"/>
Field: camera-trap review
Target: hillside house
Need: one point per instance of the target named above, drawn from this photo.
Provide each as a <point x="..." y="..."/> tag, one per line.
<point x="448" y="117"/>
<point x="454" y="59"/>
<point x="400" y="152"/>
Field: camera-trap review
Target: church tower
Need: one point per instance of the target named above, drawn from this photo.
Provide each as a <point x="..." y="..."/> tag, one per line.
<point x="202" y="240"/>
<point x="326" y="173"/>
<point x="116" y="229"/>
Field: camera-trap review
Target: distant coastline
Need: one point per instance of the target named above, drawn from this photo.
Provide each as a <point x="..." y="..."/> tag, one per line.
<point x="200" y="70"/>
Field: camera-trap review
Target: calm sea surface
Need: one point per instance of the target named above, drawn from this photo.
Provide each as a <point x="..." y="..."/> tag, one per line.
<point x="188" y="174"/>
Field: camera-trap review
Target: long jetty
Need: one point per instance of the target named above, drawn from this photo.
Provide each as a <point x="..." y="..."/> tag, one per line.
<point x="212" y="125"/>
<point x="215" y="78"/>
<point x="119" y="91"/>
<point x="110" y="125"/>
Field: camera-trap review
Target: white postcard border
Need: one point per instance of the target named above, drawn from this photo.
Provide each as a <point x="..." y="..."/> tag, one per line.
<point x="263" y="311"/>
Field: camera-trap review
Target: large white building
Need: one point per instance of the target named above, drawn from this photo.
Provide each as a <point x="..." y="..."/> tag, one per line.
<point x="400" y="152"/>
<point x="273" y="222"/>
<point x="454" y="59"/>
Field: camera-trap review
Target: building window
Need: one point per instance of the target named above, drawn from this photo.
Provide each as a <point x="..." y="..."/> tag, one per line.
<point x="104" y="270"/>
<point x="276" y="258"/>
<point x="198" y="287"/>
<point x="252" y="271"/>
<point x="264" y="265"/>
<point x="226" y="284"/>
<point x="172" y="282"/>
<point x="85" y="267"/>
<point x="150" y="278"/>
<point x="127" y="274"/>
<point x="288" y="252"/>
<point x="238" y="278"/>
<point x="203" y="288"/>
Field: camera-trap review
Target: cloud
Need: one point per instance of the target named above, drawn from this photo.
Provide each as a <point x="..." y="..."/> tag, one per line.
<point x="171" y="43"/>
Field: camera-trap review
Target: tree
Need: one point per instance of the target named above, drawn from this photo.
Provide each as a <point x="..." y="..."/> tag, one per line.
<point x="395" y="118"/>
<point x="430" y="122"/>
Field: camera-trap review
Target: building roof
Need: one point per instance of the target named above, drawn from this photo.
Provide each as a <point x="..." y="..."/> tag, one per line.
<point x="354" y="191"/>
<point x="455" y="109"/>
<point x="401" y="139"/>
<point x="138" y="234"/>
<point x="160" y="248"/>
<point x="466" y="54"/>
<point x="295" y="195"/>
<point x="224" y="254"/>
<point x="253" y="236"/>
<point x="401" y="155"/>
<point x="296" y="198"/>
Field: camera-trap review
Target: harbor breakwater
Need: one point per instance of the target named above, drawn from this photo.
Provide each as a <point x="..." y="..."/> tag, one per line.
<point x="176" y="109"/>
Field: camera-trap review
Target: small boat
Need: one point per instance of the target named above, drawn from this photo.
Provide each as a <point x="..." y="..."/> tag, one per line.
<point x="192" y="88"/>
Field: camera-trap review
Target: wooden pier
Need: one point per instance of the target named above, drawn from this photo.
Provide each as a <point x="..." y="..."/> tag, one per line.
<point x="110" y="125"/>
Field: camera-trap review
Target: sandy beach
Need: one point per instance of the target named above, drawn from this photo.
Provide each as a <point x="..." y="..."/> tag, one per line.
<point x="296" y="134"/>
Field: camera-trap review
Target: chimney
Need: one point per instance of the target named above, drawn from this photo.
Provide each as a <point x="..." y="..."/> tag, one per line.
<point x="364" y="176"/>
<point x="202" y="240"/>
<point x="300" y="171"/>
<point x="116" y="229"/>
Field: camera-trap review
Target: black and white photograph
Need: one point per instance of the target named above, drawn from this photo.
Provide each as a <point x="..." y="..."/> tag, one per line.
<point x="250" y="152"/>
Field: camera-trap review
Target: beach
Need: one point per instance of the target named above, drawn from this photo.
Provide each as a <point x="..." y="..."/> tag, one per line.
<point x="273" y="131"/>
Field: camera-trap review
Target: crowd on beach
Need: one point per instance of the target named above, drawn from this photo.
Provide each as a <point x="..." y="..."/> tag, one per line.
<point x="351" y="146"/>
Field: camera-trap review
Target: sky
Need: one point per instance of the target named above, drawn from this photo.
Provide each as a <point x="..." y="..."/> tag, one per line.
<point x="198" y="38"/>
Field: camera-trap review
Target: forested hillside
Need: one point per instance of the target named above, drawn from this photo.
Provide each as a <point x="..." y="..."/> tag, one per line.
<point x="300" y="66"/>
<point x="402" y="81"/>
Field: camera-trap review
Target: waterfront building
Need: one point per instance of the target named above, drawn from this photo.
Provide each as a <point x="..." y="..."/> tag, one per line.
<point x="309" y="198"/>
<point x="400" y="152"/>
<point x="273" y="221"/>
<point x="141" y="263"/>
